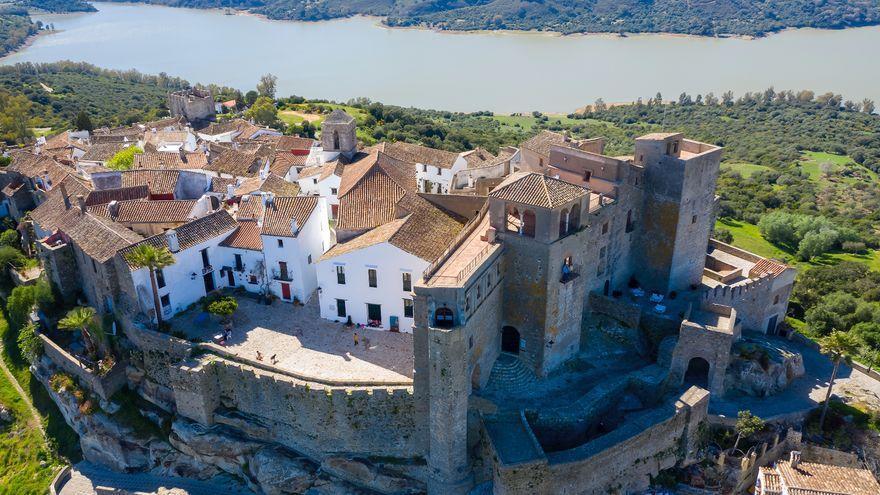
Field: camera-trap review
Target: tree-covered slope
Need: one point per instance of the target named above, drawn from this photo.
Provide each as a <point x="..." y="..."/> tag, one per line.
<point x="15" y="28"/>
<point x="702" y="17"/>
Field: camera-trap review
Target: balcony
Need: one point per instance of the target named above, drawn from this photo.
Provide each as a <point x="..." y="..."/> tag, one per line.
<point x="282" y="276"/>
<point x="207" y="269"/>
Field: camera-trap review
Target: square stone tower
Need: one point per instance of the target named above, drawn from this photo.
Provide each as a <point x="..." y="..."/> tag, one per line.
<point x="338" y="135"/>
<point x="540" y="221"/>
<point x="678" y="210"/>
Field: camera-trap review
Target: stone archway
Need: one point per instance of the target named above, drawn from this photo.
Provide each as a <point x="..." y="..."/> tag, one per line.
<point x="697" y="372"/>
<point x="510" y="340"/>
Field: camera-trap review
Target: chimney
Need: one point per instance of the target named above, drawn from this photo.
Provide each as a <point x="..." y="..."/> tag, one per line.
<point x="230" y="191"/>
<point x="294" y="227"/>
<point x="182" y="154"/>
<point x="795" y="459"/>
<point x="113" y="208"/>
<point x="47" y="184"/>
<point x="171" y="238"/>
<point x="81" y="202"/>
<point x="65" y="196"/>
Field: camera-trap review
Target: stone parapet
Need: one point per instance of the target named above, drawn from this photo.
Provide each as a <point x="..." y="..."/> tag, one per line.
<point x="102" y="385"/>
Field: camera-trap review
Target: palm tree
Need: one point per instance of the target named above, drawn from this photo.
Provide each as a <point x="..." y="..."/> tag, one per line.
<point x="151" y="258"/>
<point x="82" y="318"/>
<point x="838" y="345"/>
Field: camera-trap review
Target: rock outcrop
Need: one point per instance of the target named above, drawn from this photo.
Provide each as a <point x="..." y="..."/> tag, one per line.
<point x="760" y="370"/>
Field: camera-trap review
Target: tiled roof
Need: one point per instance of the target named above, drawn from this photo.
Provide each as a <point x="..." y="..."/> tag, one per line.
<point x="101" y="152"/>
<point x="333" y="168"/>
<point x="245" y="129"/>
<point x="380" y="234"/>
<point x="279" y="187"/>
<point x="193" y="233"/>
<point x="34" y="166"/>
<point x="159" y="181"/>
<point x="250" y="207"/>
<point x="170" y="161"/>
<point x="218" y="184"/>
<point x="160" y="137"/>
<point x="537" y="190"/>
<point x="370" y="190"/>
<point x="165" y="211"/>
<point x="310" y="171"/>
<point x="415" y="153"/>
<point x="767" y="266"/>
<point x="338" y="116"/>
<point x="245" y="236"/>
<point x="98" y="237"/>
<point x="809" y="478"/>
<point x="427" y="230"/>
<point x="283" y="161"/>
<point x="50" y="212"/>
<point x="279" y="213"/>
<point x="542" y="142"/>
<point x="235" y="163"/>
<point x="771" y="484"/>
<point x="477" y="158"/>
<point x="287" y="143"/>
<point x="112" y="138"/>
<point x="119" y="194"/>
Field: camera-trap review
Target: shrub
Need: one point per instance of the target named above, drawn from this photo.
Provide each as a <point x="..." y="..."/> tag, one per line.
<point x="124" y="159"/>
<point x="62" y="382"/>
<point x="853" y="247"/>
<point x="223" y="307"/>
<point x="9" y="238"/>
<point x="29" y="344"/>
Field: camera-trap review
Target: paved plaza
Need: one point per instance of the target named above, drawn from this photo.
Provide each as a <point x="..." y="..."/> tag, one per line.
<point x="307" y="345"/>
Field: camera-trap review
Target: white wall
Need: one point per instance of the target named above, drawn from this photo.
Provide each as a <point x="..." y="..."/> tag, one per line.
<point x="313" y="239"/>
<point x="443" y="178"/>
<point x="390" y="263"/>
<point x="252" y="262"/>
<point x="179" y="284"/>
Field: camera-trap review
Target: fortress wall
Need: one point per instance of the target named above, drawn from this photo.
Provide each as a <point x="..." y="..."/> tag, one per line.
<point x="314" y="419"/>
<point x="753" y="301"/>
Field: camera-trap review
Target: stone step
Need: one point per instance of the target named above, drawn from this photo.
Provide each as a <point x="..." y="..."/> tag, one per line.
<point x="509" y="373"/>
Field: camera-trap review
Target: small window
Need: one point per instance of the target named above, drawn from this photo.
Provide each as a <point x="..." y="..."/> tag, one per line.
<point x="605" y="228"/>
<point x="340" y="274"/>
<point x="160" y="278"/>
<point x="340" y="308"/>
<point x="166" y="300"/>
<point x="694" y="219"/>
<point x="309" y="259"/>
<point x="408" y="308"/>
<point x="333" y="191"/>
<point x="488" y="279"/>
<point x="407" y="282"/>
<point x="280" y="242"/>
<point x="479" y="292"/>
<point x="372" y="278"/>
<point x="239" y="266"/>
<point x="252" y="279"/>
<point x="587" y="175"/>
<point x="314" y="181"/>
<point x="776" y="299"/>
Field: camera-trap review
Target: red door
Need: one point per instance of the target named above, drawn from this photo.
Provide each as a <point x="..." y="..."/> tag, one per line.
<point x="285" y="291"/>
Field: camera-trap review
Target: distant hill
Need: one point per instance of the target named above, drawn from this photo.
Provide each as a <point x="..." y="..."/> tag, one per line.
<point x="58" y="6"/>
<point x="700" y="17"/>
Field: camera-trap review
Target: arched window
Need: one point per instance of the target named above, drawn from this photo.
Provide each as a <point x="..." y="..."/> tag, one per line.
<point x="443" y="318"/>
<point x="563" y="222"/>
<point x="335" y="140"/>
<point x="528" y="223"/>
<point x="574" y="218"/>
<point x="514" y="220"/>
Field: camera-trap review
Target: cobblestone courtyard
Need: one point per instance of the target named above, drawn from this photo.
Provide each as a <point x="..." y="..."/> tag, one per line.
<point x="304" y="344"/>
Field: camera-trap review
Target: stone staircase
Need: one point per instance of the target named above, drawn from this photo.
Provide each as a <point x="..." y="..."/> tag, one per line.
<point x="509" y="374"/>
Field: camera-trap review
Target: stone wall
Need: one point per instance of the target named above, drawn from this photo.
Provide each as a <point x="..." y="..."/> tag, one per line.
<point x="308" y="417"/>
<point x="104" y="386"/>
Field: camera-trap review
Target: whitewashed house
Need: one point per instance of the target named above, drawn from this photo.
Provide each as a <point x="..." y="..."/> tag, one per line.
<point x="323" y="181"/>
<point x="434" y="168"/>
<point x="294" y="233"/>
<point x="169" y="141"/>
<point x="234" y="130"/>
<point x="242" y="258"/>
<point x="195" y="273"/>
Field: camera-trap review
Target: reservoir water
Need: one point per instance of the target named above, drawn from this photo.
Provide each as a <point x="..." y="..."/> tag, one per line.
<point x="502" y="72"/>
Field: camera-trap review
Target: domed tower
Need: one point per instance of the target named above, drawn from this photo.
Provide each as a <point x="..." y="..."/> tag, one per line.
<point x="338" y="135"/>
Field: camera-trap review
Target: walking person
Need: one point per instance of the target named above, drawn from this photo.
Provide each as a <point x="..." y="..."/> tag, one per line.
<point x="355" y="339"/>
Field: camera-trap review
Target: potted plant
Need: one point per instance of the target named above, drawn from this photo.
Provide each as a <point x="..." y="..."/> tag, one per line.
<point x="224" y="307"/>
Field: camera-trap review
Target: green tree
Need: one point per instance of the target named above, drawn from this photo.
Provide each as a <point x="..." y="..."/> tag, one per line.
<point x="83" y="122"/>
<point x="868" y="105"/>
<point x="266" y="86"/>
<point x="747" y="424"/>
<point x="124" y="158"/>
<point x="224" y="307"/>
<point x="29" y="344"/>
<point x="839" y="346"/>
<point x="151" y="258"/>
<point x="9" y="238"/>
<point x="250" y="97"/>
<point x="778" y="228"/>
<point x="19" y="305"/>
<point x="263" y="111"/>
<point x="15" y="117"/>
<point x="82" y="318"/>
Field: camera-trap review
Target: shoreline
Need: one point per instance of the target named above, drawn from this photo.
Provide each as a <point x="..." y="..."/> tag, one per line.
<point x="28" y="42"/>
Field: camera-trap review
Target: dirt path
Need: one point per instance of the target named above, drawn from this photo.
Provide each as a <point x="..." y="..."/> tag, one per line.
<point x="36" y="421"/>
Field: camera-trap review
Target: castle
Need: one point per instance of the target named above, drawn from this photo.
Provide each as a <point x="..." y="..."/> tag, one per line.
<point x="507" y="270"/>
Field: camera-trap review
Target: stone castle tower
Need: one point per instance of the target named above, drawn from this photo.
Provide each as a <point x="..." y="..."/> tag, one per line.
<point x="192" y="104"/>
<point x="338" y="135"/>
<point x="679" y="198"/>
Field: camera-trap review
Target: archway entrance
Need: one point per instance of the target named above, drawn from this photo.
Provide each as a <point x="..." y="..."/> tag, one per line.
<point x="510" y="340"/>
<point x="697" y="373"/>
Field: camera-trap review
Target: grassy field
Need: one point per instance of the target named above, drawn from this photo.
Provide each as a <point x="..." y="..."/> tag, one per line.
<point x="747" y="236"/>
<point x="745" y="169"/>
<point x="527" y="122"/>
<point x="27" y="462"/>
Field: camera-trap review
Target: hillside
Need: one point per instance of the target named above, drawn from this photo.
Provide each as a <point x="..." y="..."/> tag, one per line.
<point x="699" y="17"/>
<point x="15" y="28"/>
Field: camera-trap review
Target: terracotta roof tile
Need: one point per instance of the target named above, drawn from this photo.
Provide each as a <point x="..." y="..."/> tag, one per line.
<point x="338" y="116"/>
<point x="170" y="161"/>
<point x="537" y="190"/>
<point x="102" y="152"/>
<point x="49" y="213"/>
<point x="282" y="162"/>
<point x="163" y="211"/>
<point x="414" y="153"/>
<point x="380" y="234"/>
<point x="218" y="184"/>
<point x="193" y="233"/>
<point x="245" y="236"/>
<point x="159" y="181"/>
<point x="767" y="266"/>
<point x="119" y="194"/>
<point x="235" y="163"/>
<point x="370" y="190"/>
<point x="542" y="142"/>
<point x="97" y="237"/>
<point x="808" y="478"/>
<point x="279" y="213"/>
<point x="279" y="187"/>
<point x="250" y="207"/>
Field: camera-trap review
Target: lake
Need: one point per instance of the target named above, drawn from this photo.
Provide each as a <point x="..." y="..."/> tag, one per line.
<point x="502" y="72"/>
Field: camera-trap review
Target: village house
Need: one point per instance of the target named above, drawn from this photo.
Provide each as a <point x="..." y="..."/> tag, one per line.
<point x="169" y="141"/>
<point x="434" y="168"/>
<point x="234" y="130"/>
<point x="795" y="477"/>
